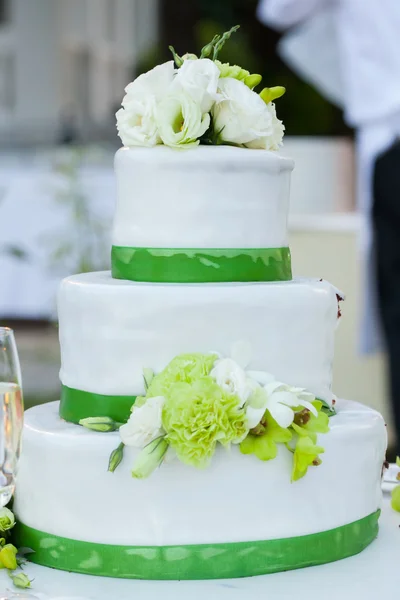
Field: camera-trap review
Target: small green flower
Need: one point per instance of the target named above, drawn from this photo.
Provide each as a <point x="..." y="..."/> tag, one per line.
<point x="20" y="580"/>
<point x="396" y="498"/>
<point x="234" y="71"/>
<point x="271" y="94"/>
<point x="185" y="368"/>
<point x="8" y="557"/>
<point x="101" y="424"/>
<point x="7" y="519"/>
<point x="305" y="455"/>
<point x="263" y="439"/>
<point x="116" y="457"/>
<point x="199" y="415"/>
<point x="150" y="458"/>
<point x="308" y="425"/>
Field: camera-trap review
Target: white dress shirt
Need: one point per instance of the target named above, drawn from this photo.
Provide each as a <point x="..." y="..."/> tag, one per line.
<point x="350" y="50"/>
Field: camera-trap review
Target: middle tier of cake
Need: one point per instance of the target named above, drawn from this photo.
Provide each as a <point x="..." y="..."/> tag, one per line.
<point x="110" y="330"/>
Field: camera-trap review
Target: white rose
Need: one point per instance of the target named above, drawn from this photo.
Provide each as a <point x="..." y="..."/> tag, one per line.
<point x="180" y="121"/>
<point x="240" y="115"/>
<point x="232" y="378"/>
<point x="145" y="423"/>
<point x="274" y="140"/>
<point x="199" y="79"/>
<point x="136" y="121"/>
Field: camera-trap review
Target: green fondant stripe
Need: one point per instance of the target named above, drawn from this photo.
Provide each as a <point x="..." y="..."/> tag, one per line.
<point x="204" y="561"/>
<point x="77" y="404"/>
<point x="181" y="265"/>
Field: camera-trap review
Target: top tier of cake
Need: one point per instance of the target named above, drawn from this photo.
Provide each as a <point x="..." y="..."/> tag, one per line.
<point x="217" y="198"/>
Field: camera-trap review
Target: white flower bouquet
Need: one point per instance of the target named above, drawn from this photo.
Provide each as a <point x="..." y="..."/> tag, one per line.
<point x="199" y="100"/>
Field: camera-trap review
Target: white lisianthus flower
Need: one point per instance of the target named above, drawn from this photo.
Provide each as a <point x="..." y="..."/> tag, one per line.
<point x="145" y="423"/>
<point x="240" y="116"/>
<point x="280" y="399"/>
<point x="232" y="378"/>
<point x="199" y="79"/>
<point x="136" y="121"/>
<point x="180" y="121"/>
<point x="274" y="140"/>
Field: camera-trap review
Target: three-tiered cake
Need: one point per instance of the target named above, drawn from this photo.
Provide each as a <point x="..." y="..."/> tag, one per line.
<point x="205" y="364"/>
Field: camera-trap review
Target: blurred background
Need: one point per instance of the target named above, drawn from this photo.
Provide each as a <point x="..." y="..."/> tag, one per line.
<point x="63" y="68"/>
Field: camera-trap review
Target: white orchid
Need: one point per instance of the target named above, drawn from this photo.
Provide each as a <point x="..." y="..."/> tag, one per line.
<point x="145" y="423"/>
<point x="279" y="398"/>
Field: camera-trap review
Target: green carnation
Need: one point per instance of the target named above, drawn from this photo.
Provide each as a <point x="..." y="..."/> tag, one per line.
<point x="185" y="368"/>
<point x="305" y="455"/>
<point x="198" y="415"/>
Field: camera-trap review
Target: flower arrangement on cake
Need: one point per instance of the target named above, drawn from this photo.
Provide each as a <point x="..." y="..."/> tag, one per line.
<point x="195" y="100"/>
<point x="202" y="401"/>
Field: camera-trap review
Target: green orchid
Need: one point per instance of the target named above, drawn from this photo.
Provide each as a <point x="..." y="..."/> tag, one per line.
<point x="308" y="425"/>
<point x="263" y="439"/>
<point x="306" y="454"/>
<point x="396" y="498"/>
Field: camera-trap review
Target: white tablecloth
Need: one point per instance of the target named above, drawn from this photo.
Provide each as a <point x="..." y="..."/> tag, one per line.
<point x="371" y="575"/>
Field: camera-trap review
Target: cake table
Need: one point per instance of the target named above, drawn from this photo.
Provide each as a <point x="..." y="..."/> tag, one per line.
<point x="373" y="573"/>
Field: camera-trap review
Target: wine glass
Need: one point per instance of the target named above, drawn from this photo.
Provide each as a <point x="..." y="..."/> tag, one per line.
<point x="11" y="413"/>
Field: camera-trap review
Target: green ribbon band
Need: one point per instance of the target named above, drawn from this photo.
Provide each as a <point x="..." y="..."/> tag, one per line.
<point x="77" y="404"/>
<point x="204" y="561"/>
<point x="181" y="265"/>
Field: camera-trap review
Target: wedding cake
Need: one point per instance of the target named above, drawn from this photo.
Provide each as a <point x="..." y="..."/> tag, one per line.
<point x="197" y="434"/>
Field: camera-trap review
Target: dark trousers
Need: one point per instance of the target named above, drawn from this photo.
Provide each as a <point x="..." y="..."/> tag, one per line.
<point x="386" y="223"/>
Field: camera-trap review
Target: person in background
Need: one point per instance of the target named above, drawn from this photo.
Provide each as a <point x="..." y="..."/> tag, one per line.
<point x="350" y="50"/>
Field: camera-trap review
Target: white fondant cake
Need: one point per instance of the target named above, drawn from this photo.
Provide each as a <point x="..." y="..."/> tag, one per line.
<point x="64" y="488"/>
<point x="214" y="197"/>
<point x="241" y="515"/>
<point x="111" y="329"/>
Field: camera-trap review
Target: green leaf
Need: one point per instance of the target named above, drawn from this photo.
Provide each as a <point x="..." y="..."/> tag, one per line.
<point x="148" y="376"/>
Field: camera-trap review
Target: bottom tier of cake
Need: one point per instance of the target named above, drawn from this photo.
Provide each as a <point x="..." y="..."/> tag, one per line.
<point x="239" y="517"/>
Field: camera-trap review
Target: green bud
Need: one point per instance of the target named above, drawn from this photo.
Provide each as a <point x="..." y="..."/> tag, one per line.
<point x="8" y="557"/>
<point x="395" y="499"/>
<point x="271" y="94"/>
<point x="116" y="457"/>
<point x="148" y="375"/>
<point x="150" y="458"/>
<point x="221" y="42"/>
<point x="7" y="519"/>
<point x="253" y="81"/>
<point x="189" y="56"/>
<point x="178" y="60"/>
<point x="20" y="580"/>
<point x="101" y="424"/>
<point x="398" y="461"/>
<point x="208" y="48"/>
<point x="2" y="542"/>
